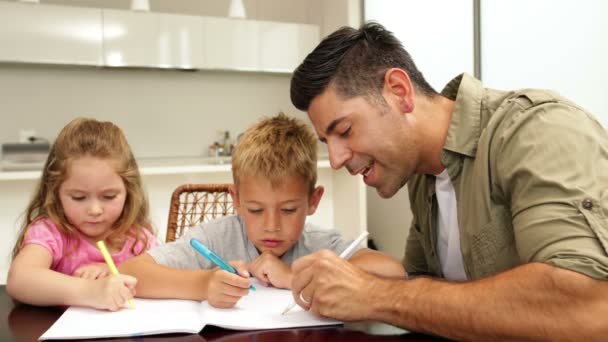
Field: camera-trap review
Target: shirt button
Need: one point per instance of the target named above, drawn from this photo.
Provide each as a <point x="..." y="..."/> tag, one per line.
<point x="587" y="203"/>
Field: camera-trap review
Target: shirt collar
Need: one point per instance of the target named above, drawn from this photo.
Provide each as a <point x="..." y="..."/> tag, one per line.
<point x="463" y="134"/>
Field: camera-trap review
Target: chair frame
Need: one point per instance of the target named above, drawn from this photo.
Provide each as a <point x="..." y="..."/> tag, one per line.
<point x="182" y="211"/>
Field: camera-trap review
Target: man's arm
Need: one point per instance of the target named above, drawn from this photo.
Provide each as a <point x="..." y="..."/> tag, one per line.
<point x="534" y="301"/>
<point x="377" y="263"/>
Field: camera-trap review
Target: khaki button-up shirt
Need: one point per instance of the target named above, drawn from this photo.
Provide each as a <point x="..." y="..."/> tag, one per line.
<point x="530" y="173"/>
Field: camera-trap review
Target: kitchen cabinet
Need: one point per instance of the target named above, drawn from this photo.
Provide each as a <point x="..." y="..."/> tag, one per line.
<point x="156" y="40"/>
<point x="231" y="44"/>
<point x="236" y="44"/>
<point x="51" y="34"/>
<point x="283" y="46"/>
<point x="34" y="33"/>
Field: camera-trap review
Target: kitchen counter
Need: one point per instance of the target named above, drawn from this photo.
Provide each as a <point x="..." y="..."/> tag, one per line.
<point x="159" y="166"/>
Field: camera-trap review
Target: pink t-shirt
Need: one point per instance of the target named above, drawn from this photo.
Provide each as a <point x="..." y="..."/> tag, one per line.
<point x="66" y="259"/>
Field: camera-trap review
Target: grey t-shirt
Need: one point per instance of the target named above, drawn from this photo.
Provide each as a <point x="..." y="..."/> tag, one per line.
<point x="228" y="239"/>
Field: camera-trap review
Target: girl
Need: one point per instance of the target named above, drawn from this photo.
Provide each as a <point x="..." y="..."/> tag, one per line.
<point x="90" y="190"/>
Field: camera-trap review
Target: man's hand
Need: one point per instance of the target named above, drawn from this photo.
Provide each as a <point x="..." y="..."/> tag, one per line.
<point x="224" y="289"/>
<point x="270" y="270"/>
<point x="332" y="287"/>
<point x="93" y="271"/>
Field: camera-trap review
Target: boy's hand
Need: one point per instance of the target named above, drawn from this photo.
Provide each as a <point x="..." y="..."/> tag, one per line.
<point x="270" y="270"/>
<point x="93" y="271"/>
<point x="112" y="292"/>
<point x="224" y="289"/>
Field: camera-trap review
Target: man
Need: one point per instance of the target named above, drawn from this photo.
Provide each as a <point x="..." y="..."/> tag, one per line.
<point x="509" y="192"/>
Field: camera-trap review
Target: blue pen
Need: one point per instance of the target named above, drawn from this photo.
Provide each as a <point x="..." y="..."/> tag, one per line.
<point x="214" y="258"/>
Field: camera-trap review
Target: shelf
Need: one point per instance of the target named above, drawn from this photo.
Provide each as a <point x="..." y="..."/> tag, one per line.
<point x="159" y="166"/>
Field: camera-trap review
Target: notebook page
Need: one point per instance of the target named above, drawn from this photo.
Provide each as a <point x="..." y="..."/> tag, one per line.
<point x="261" y="309"/>
<point x="150" y="316"/>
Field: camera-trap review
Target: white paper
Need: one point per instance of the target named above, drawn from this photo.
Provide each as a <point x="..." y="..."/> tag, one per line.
<point x="260" y="309"/>
<point x="150" y="316"/>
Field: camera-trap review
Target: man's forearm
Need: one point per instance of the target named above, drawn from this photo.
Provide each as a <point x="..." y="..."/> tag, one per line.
<point x="534" y="301"/>
<point x="377" y="263"/>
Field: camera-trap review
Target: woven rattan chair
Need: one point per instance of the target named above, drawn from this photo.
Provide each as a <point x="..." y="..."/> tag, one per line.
<point x="193" y="204"/>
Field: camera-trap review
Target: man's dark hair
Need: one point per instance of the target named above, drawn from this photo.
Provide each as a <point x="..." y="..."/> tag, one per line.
<point x="354" y="62"/>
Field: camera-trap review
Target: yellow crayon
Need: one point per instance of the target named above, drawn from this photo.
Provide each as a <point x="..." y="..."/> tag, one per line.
<point x="106" y="255"/>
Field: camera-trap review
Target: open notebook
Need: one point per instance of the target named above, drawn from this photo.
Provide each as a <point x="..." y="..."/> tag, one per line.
<point x="260" y="309"/>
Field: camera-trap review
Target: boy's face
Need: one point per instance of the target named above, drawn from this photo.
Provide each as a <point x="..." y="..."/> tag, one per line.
<point x="274" y="216"/>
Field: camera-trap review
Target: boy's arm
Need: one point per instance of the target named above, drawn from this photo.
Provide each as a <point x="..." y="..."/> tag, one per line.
<point x="377" y="263"/>
<point x="158" y="281"/>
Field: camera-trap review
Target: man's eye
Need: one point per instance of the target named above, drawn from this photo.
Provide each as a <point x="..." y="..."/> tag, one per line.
<point x="345" y="133"/>
<point x="255" y="211"/>
<point x="289" y="210"/>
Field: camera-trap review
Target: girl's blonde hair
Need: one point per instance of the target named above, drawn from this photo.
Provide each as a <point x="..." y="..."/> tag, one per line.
<point x="277" y="148"/>
<point x="84" y="137"/>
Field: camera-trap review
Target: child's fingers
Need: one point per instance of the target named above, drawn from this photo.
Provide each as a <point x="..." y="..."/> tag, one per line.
<point x="128" y="280"/>
<point x="234" y="291"/>
<point x="241" y="268"/>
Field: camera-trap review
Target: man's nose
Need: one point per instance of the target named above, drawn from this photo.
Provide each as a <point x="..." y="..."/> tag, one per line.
<point x="339" y="154"/>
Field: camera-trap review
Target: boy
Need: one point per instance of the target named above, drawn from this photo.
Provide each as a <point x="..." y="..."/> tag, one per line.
<point x="274" y="167"/>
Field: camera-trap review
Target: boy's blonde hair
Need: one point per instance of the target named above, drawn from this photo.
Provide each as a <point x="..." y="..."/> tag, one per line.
<point x="84" y="137"/>
<point x="276" y="148"/>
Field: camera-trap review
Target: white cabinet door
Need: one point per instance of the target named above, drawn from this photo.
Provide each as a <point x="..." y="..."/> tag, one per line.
<point x="145" y="39"/>
<point x="283" y="46"/>
<point x="35" y="33"/>
<point x="180" y="42"/>
<point x="130" y="38"/>
<point x="231" y="44"/>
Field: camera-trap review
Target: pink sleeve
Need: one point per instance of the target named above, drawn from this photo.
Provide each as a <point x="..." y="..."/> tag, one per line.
<point x="152" y="240"/>
<point x="44" y="233"/>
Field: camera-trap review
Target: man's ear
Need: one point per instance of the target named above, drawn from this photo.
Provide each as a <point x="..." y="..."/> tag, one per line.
<point x="315" y="198"/>
<point x="235" y="197"/>
<point x="398" y="86"/>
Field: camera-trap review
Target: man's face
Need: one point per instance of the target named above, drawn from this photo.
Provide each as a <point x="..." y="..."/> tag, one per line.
<point x="274" y="216"/>
<point x="375" y="141"/>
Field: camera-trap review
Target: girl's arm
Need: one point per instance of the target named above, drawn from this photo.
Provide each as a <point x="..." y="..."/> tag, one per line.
<point x="377" y="263"/>
<point x="31" y="281"/>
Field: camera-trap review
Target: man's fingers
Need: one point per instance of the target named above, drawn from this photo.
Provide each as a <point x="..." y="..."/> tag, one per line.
<point x="303" y="262"/>
<point x="301" y="279"/>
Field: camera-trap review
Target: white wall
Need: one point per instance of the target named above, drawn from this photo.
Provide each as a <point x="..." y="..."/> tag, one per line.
<point x="163" y="112"/>
<point x="554" y="44"/>
<point x="438" y="34"/>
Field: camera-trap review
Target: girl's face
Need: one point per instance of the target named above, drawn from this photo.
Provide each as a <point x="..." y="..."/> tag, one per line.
<point x="93" y="196"/>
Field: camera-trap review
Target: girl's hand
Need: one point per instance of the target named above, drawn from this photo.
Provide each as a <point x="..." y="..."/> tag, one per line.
<point x="112" y="292"/>
<point x="224" y="289"/>
<point x="270" y="270"/>
<point x="93" y="271"/>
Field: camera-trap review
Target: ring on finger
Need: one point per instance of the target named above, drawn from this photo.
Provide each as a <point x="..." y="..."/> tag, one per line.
<point x="304" y="300"/>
